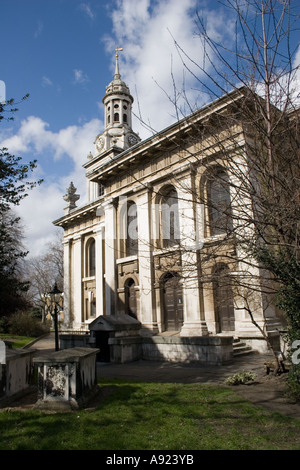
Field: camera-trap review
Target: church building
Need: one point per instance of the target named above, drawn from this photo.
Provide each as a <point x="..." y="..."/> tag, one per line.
<point x="146" y="244"/>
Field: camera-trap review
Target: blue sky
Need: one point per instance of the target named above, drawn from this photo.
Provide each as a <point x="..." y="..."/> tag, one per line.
<point x="61" y="52"/>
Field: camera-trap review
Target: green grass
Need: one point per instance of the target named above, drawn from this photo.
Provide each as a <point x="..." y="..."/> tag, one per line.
<point x="152" y="416"/>
<point x="18" y="341"/>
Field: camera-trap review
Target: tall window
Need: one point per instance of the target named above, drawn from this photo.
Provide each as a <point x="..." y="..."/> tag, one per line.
<point x="170" y="234"/>
<point x="101" y="189"/>
<point x="131" y="230"/>
<point x="116" y="113"/>
<point x="218" y="196"/>
<point x="90" y="258"/>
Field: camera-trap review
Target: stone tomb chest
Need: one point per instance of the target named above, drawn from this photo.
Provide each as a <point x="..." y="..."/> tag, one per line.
<point x="117" y="337"/>
<point x="67" y="379"/>
<point x="16" y="373"/>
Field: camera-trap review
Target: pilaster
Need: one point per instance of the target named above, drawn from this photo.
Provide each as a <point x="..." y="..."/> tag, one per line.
<point x="67" y="244"/>
<point x="110" y="257"/>
<point x="147" y="311"/>
<point x="77" y="281"/>
<point x="194" y="321"/>
<point x="99" y="236"/>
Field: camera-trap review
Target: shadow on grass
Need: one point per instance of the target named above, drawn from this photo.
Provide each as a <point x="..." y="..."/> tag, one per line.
<point x="151" y="416"/>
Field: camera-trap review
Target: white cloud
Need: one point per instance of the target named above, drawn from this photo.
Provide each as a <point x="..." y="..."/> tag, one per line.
<point x="39" y="29"/>
<point x="296" y="78"/>
<point x="66" y="149"/>
<point x="86" y="8"/>
<point x="80" y="76"/>
<point x="150" y="62"/>
<point x="46" y="81"/>
<point x="34" y="135"/>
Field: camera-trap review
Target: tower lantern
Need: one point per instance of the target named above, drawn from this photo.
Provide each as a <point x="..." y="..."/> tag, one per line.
<point x="117" y="102"/>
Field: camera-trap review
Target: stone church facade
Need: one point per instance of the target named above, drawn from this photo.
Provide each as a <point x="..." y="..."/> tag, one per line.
<point x="137" y="246"/>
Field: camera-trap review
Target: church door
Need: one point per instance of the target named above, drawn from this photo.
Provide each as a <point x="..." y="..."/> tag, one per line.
<point x="172" y="303"/>
<point x="223" y="300"/>
<point x="130" y="299"/>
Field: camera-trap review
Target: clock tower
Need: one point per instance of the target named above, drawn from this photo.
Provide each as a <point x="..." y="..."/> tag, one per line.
<point x="117" y="116"/>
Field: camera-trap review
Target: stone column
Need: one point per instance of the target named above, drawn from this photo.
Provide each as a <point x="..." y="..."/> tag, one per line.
<point x="145" y="263"/>
<point x="67" y="283"/>
<point x="77" y="282"/>
<point x="194" y="322"/>
<point x="110" y="257"/>
<point x="99" y="235"/>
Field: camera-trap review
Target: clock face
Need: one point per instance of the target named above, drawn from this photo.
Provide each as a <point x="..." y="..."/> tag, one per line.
<point x="132" y="139"/>
<point x="100" y="143"/>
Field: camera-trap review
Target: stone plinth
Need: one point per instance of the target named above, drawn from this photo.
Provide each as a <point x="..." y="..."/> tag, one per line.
<point x="67" y="379"/>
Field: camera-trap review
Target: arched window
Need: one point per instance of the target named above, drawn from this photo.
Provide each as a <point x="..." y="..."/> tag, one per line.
<point x="90" y="258"/>
<point x="219" y="206"/>
<point x="130" y="298"/>
<point x="125" y="118"/>
<point x="116" y="117"/>
<point x="131" y="229"/>
<point x="170" y="234"/>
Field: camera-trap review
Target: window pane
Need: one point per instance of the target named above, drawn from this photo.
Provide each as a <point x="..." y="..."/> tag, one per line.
<point x="91" y="259"/>
<point x="170" y="219"/>
<point x="132" y="230"/>
<point x="219" y="205"/>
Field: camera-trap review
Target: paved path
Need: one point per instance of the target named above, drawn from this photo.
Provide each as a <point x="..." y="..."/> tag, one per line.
<point x="266" y="391"/>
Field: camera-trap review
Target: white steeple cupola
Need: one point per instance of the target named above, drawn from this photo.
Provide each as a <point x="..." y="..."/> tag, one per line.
<point x="117" y="102"/>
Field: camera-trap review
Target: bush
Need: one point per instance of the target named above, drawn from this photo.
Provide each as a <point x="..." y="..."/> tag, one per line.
<point x="24" y="324"/>
<point x="4" y="325"/>
<point x="293" y="382"/>
<point x="240" y="378"/>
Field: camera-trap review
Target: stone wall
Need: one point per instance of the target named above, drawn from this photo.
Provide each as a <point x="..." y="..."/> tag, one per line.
<point x="67" y="341"/>
<point x="16" y="374"/>
<point x="207" y="350"/>
<point x="125" y="349"/>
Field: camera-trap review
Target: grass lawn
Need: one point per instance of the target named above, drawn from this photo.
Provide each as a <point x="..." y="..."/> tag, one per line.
<point x="152" y="416"/>
<point x="18" y="341"/>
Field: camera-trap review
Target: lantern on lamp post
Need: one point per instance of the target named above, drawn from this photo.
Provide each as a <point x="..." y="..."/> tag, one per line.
<point x="55" y="296"/>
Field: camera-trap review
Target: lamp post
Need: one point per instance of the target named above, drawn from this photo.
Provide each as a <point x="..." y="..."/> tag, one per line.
<point x="55" y="296"/>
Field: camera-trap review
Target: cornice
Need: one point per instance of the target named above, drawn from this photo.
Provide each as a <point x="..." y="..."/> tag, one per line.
<point x="163" y="139"/>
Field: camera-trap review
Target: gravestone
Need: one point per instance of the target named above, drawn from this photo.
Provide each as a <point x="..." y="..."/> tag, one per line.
<point x="2" y="352"/>
<point x="67" y="379"/>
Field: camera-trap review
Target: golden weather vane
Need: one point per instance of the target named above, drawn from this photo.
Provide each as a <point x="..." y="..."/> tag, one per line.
<point x="117" y="49"/>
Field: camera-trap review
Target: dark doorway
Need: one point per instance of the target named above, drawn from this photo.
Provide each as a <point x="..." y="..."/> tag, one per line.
<point x="102" y="343"/>
<point x="172" y="303"/>
<point x="130" y="299"/>
<point x="223" y="299"/>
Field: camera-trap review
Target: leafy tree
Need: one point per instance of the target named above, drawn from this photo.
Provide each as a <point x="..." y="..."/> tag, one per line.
<point x="14" y="185"/>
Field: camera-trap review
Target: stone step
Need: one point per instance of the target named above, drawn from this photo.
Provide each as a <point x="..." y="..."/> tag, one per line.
<point x="240" y="348"/>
